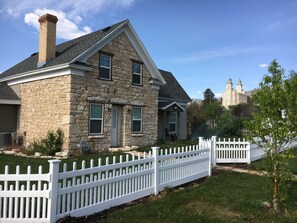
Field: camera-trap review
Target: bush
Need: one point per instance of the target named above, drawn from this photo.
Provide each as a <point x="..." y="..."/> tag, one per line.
<point x="49" y="145"/>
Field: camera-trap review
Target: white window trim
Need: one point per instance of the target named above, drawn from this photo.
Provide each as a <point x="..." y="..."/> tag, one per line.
<point x="139" y="74"/>
<point x="175" y="123"/>
<point x="137" y="120"/>
<point x="98" y="133"/>
<point x="102" y="78"/>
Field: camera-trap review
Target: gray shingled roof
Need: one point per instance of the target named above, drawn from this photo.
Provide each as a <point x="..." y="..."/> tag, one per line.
<point x="172" y="90"/>
<point x="65" y="52"/>
<point x="6" y="93"/>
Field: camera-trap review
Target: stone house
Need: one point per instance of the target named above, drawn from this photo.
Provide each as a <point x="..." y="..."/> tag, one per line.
<point x="102" y="88"/>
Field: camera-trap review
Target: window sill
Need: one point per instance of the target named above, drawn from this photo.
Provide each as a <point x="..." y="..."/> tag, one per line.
<point x="137" y="134"/>
<point x="95" y="136"/>
<point x="137" y="85"/>
<point x="104" y="79"/>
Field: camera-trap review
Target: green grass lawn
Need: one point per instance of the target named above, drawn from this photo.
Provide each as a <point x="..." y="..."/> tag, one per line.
<point x="168" y="145"/>
<point x="226" y="197"/>
<point x="23" y="162"/>
<point x="292" y="162"/>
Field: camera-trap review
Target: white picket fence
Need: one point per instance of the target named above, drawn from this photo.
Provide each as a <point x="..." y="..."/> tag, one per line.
<point x="234" y="150"/>
<point x="47" y="197"/>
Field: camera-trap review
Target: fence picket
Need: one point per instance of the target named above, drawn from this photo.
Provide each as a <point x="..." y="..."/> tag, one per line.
<point x="80" y="192"/>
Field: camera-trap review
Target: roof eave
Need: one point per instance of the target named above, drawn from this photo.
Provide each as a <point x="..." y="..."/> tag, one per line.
<point x="10" y="102"/>
<point x="48" y="72"/>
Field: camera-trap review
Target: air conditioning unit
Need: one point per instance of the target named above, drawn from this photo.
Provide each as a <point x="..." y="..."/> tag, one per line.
<point x="5" y="139"/>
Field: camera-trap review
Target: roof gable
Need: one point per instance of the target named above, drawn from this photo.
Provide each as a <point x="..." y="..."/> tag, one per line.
<point x="172" y="90"/>
<point x="77" y="51"/>
<point x="7" y="95"/>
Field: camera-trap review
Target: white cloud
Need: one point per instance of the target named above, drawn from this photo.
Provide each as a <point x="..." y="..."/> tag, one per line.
<point x="218" y="95"/>
<point x="73" y="8"/>
<point x="223" y="52"/>
<point x="69" y="13"/>
<point x="263" y="65"/>
<point x="77" y="19"/>
<point x="66" y="29"/>
<point x="12" y="12"/>
<point x="290" y="22"/>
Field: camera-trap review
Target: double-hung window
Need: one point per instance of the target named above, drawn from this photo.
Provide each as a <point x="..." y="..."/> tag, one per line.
<point x="172" y="122"/>
<point x="136" y="119"/>
<point x="137" y="73"/>
<point x="104" y="67"/>
<point x="96" y="119"/>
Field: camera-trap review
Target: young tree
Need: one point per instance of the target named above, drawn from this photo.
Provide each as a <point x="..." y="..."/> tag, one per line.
<point x="274" y="122"/>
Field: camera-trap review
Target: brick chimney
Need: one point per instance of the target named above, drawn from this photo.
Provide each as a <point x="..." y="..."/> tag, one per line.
<point x="47" y="38"/>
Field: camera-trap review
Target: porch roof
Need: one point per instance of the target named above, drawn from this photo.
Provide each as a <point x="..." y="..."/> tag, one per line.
<point x="166" y="106"/>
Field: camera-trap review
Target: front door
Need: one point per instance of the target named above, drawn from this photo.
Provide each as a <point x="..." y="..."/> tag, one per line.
<point x="115" y="130"/>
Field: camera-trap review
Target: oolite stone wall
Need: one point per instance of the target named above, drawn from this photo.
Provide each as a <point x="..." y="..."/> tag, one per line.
<point x="119" y="91"/>
<point x="45" y="105"/>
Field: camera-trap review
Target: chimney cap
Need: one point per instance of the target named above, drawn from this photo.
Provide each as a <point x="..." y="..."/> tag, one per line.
<point x="49" y="18"/>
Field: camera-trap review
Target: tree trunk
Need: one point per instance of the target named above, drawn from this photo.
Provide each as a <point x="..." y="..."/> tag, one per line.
<point x="275" y="186"/>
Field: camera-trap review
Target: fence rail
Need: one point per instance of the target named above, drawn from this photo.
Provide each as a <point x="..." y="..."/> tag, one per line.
<point x="235" y="150"/>
<point x="47" y="197"/>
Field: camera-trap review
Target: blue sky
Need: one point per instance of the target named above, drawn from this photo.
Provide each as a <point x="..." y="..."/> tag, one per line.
<point x="202" y="42"/>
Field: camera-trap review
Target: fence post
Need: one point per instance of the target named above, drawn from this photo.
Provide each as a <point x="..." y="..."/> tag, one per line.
<point x="248" y="153"/>
<point x="214" y="150"/>
<point x="53" y="189"/>
<point x="156" y="169"/>
<point x="200" y="138"/>
<point x="210" y="161"/>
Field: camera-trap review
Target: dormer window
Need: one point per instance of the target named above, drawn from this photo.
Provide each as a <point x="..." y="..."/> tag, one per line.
<point x="105" y="67"/>
<point x="137" y="73"/>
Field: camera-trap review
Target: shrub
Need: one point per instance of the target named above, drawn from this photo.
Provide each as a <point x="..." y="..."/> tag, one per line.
<point x="49" y="145"/>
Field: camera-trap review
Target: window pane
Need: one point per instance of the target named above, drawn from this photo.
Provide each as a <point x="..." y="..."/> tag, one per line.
<point x="104" y="61"/>
<point x="137" y="68"/>
<point x="136" y="113"/>
<point x="95" y="126"/>
<point x="104" y="73"/>
<point x="136" y="126"/>
<point x="136" y="79"/>
<point x="96" y="111"/>
<point x="172" y="117"/>
<point x="172" y="127"/>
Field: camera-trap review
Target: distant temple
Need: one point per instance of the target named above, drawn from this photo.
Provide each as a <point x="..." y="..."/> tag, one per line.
<point x="234" y="97"/>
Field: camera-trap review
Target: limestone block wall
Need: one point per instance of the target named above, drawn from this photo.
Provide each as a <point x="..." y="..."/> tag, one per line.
<point x="120" y="92"/>
<point x="45" y="105"/>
